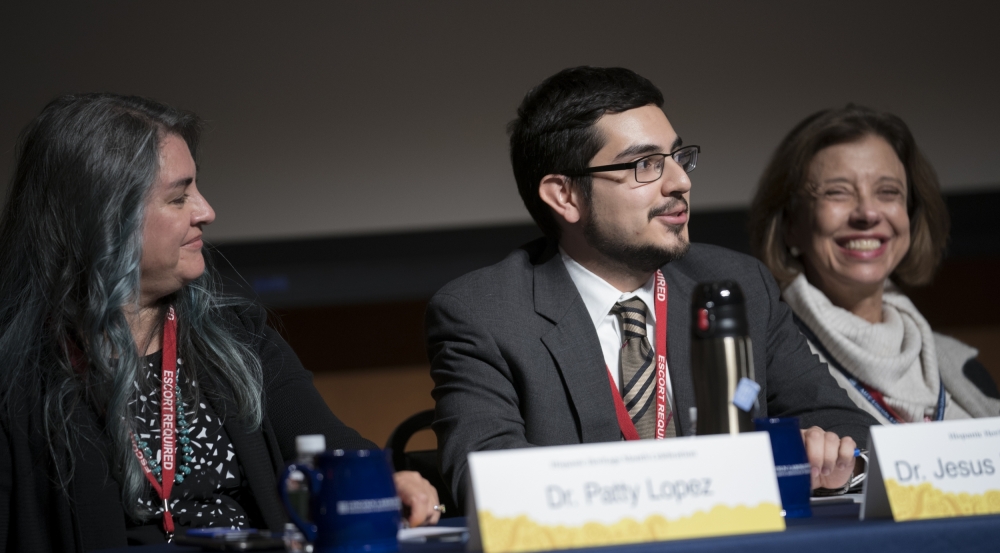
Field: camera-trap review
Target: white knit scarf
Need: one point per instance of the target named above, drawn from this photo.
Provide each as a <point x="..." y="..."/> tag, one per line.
<point x="896" y="357"/>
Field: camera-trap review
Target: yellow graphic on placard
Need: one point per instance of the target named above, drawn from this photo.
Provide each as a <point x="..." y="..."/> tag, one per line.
<point x="521" y="534"/>
<point x="926" y="501"/>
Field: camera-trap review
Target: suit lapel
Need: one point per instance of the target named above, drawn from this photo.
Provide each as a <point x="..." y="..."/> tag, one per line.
<point x="679" y="290"/>
<point x="575" y="348"/>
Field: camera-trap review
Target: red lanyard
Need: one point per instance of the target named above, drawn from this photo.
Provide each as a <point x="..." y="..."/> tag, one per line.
<point x="663" y="415"/>
<point x="880" y="400"/>
<point x="168" y="432"/>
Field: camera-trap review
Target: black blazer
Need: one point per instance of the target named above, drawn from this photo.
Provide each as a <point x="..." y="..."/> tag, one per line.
<point x="37" y="515"/>
<point x="516" y="360"/>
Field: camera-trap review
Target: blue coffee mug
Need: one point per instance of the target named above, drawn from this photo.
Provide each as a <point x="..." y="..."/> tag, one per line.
<point x="790" y="464"/>
<point x="353" y="502"/>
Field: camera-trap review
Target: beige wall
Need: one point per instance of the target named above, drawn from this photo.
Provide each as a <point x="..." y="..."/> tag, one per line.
<point x="374" y="401"/>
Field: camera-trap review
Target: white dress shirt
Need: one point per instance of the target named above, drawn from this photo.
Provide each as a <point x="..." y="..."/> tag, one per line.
<point x="600" y="297"/>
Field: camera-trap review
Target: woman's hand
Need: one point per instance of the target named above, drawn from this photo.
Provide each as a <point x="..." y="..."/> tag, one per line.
<point x="419" y="498"/>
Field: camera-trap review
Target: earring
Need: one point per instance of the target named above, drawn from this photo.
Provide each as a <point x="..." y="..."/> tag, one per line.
<point x="794" y="251"/>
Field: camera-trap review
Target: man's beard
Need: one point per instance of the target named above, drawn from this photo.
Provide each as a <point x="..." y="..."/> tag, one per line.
<point x="644" y="258"/>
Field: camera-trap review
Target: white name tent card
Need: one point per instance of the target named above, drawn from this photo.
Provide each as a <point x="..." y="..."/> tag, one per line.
<point x="933" y="470"/>
<point x="622" y="492"/>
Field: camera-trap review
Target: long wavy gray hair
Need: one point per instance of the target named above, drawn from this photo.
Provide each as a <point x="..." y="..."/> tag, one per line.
<point x="70" y="251"/>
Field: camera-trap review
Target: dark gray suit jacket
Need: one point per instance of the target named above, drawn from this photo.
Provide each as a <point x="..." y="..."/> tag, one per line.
<point x="516" y="360"/>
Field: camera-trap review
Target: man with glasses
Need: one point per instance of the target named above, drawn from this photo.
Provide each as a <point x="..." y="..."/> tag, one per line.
<point x="558" y="343"/>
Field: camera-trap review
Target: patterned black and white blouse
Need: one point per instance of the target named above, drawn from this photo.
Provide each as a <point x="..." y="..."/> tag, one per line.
<point x="215" y="492"/>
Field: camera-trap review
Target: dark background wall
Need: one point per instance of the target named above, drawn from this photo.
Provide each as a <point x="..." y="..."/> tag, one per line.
<point x="345" y="118"/>
<point x="356" y="153"/>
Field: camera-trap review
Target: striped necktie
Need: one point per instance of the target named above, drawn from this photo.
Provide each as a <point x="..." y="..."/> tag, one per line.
<point x="638" y="371"/>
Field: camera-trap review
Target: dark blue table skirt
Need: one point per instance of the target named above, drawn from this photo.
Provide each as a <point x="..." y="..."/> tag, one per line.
<point x="836" y="529"/>
<point x="833" y="529"/>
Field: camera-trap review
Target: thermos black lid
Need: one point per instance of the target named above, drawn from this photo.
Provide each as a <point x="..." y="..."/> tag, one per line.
<point x="718" y="310"/>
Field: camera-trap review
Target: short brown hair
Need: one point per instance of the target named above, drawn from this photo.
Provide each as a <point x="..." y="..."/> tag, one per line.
<point x="555" y="128"/>
<point x="781" y="191"/>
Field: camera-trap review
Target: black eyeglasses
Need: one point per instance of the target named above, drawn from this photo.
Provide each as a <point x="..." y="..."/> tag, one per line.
<point x="649" y="168"/>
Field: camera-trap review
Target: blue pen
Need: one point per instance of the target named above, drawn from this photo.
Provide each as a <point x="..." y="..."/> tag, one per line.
<point x="857" y="452"/>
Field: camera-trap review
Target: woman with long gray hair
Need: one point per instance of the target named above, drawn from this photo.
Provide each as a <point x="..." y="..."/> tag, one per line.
<point x="135" y="398"/>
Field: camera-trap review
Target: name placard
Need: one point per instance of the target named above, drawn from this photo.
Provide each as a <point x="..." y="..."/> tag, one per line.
<point x="623" y="492"/>
<point x="933" y="470"/>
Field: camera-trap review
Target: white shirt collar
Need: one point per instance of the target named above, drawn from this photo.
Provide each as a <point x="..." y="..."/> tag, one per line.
<point x="599" y="296"/>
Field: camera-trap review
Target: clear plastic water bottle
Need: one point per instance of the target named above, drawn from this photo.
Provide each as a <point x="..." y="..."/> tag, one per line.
<point x="306" y="448"/>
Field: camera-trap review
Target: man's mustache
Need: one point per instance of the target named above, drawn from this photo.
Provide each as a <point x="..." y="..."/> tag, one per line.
<point x="671" y="205"/>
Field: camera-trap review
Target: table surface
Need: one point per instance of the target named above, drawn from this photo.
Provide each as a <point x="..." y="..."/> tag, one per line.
<point x="833" y="528"/>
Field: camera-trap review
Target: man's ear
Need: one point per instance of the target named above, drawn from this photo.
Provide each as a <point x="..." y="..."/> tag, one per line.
<point x="559" y="193"/>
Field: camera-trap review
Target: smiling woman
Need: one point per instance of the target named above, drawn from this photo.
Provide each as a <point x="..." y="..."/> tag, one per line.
<point x="118" y="354"/>
<point x="858" y="230"/>
<point x="847" y="206"/>
<point x="175" y="213"/>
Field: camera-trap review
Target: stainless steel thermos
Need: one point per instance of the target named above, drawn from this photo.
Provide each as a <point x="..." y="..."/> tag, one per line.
<point x="721" y="355"/>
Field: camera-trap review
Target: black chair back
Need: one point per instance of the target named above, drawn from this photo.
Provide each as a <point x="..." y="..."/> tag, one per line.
<point x="424" y="461"/>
